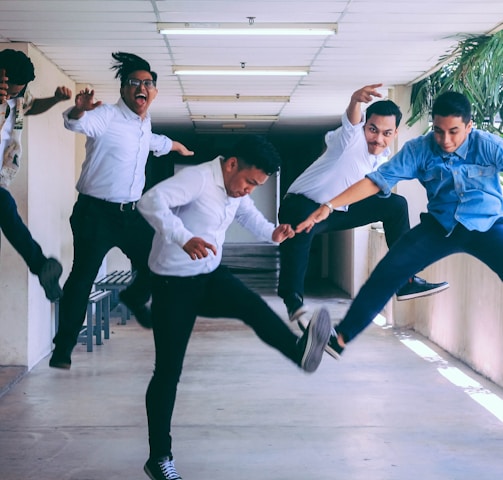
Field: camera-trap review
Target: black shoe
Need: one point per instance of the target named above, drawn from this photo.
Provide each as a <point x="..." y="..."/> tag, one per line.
<point x="49" y="279"/>
<point x="61" y="358"/>
<point x="141" y="312"/>
<point x="333" y="348"/>
<point x="161" y="469"/>
<point x="417" y="287"/>
<point x="314" y="340"/>
<point x="295" y="306"/>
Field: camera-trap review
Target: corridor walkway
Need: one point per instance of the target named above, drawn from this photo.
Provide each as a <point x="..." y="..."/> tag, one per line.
<point x="245" y="413"/>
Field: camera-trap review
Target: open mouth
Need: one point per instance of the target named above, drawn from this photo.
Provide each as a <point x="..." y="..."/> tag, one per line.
<point x="140" y="98"/>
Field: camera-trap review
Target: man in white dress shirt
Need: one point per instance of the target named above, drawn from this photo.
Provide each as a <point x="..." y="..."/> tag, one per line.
<point x="119" y="139"/>
<point x="190" y="213"/>
<point x="355" y="149"/>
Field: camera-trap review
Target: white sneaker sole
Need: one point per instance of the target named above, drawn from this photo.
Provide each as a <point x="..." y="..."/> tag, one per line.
<point x="426" y="293"/>
<point x="319" y="329"/>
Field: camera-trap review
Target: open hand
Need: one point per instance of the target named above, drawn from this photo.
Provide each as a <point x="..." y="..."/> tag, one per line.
<point x="317" y="216"/>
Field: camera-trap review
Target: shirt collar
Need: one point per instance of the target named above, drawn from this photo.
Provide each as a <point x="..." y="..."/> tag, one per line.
<point x="128" y="113"/>
<point x="218" y="175"/>
<point x="461" y="152"/>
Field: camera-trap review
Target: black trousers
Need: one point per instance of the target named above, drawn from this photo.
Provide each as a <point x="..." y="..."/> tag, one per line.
<point x="17" y="233"/>
<point x="176" y="301"/>
<point x="98" y="226"/>
<point x="294" y="252"/>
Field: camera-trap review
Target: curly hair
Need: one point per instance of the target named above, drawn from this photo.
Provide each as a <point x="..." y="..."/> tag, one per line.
<point x="126" y="63"/>
<point x="256" y="151"/>
<point x="18" y="67"/>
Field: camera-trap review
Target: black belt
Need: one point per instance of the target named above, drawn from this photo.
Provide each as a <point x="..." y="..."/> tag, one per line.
<point x="122" y="207"/>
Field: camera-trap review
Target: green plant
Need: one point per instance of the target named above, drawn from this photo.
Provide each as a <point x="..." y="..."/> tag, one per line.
<point x="476" y="69"/>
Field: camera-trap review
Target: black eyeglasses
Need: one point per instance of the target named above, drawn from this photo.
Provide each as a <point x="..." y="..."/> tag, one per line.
<point x="136" y="82"/>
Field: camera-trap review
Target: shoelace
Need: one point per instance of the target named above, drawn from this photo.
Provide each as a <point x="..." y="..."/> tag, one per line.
<point x="168" y="470"/>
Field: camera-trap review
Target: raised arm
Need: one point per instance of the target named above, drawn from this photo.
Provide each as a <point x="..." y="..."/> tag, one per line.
<point x="363" y="95"/>
<point x="41" y="105"/>
<point x="84" y="102"/>
<point x="356" y="192"/>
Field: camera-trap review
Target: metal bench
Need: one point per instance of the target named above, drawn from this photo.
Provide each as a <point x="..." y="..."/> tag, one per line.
<point x="115" y="282"/>
<point x="99" y="301"/>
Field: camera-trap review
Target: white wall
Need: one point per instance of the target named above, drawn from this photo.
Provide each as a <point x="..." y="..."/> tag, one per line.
<point x="44" y="192"/>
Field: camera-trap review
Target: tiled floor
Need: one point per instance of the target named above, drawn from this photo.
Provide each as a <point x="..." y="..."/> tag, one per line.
<point x="244" y="412"/>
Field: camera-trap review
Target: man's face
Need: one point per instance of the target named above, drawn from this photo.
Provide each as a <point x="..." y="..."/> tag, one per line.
<point x="450" y="132"/>
<point x="380" y="130"/>
<point x="239" y="183"/>
<point x="138" y="97"/>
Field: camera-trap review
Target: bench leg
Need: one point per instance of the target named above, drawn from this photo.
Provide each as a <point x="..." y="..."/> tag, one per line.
<point x="89" y="329"/>
<point x="98" y="322"/>
<point x="106" y="317"/>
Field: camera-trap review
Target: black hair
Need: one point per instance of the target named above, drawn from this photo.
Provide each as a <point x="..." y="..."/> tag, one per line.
<point x="18" y="67"/>
<point x="256" y="151"/>
<point x="384" y="108"/>
<point x="126" y="63"/>
<point x="452" y="104"/>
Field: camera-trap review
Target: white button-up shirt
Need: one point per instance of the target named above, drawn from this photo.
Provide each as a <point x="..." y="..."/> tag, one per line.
<point x="117" y="148"/>
<point x="194" y="203"/>
<point x="345" y="161"/>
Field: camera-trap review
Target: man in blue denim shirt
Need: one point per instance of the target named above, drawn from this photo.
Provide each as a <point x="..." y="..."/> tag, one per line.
<point x="459" y="167"/>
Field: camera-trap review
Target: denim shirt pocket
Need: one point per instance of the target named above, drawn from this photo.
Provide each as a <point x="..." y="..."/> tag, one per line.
<point x="478" y="176"/>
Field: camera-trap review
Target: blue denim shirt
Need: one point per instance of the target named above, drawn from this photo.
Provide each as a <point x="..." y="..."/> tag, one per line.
<point x="462" y="187"/>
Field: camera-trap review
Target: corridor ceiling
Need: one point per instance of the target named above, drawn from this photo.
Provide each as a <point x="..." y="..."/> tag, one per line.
<point x="393" y="42"/>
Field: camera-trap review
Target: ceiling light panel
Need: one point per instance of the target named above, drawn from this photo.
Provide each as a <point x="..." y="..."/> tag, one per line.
<point x="238" y="118"/>
<point x="236" y="98"/>
<point x="240" y="71"/>
<point x="260" y="29"/>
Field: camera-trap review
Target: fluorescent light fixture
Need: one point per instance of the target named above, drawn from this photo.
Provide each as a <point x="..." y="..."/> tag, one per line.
<point x="233" y="125"/>
<point x="262" y="71"/>
<point x="236" y="98"/>
<point x="240" y="118"/>
<point x="252" y="28"/>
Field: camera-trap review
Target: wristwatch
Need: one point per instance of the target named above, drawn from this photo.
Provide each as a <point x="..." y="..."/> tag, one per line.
<point x="329" y="206"/>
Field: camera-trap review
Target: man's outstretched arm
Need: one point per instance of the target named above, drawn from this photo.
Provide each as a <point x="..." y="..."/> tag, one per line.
<point x="356" y="192"/>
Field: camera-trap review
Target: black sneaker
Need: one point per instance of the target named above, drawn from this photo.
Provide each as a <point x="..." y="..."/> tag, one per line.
<point x="333" y="348"/>
<point x="314" y="340"/>
<point x="161" y="469"/>
<point x="49" y="279"/>
<point x="61" y="358"/>
<point x="417" y="287"/>
<point x="141" y="312"/>
<point x="295" y="306"/>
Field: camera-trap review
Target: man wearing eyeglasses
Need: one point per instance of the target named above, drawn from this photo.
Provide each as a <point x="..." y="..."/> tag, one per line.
<point x="119" y="139"/>
<point x="16" y="71"/>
